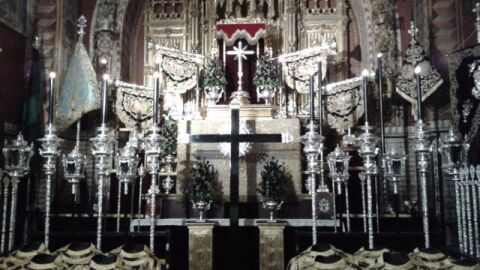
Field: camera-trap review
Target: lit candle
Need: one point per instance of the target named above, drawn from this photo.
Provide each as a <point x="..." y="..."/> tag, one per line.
<point x="312" y="111"/>
<point x="52" y="76"/>
<point x="106" y="78"/>
<point x="197" y="87"/>
<point x="156" y="91"/>
<point x="380" y="98"/>
<point x="320" y="98"/>
<point x="419" y="93"/>
<point x="365" y="99"/>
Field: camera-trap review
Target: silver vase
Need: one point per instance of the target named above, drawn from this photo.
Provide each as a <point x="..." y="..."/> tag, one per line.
<point x="272" y="207"/>
<point x="170" y="161"/>
<point x="167" y="184"/>
<point x="265" y="92"/>
<point x="213" y="94"/>
<point x="201" y="207"/>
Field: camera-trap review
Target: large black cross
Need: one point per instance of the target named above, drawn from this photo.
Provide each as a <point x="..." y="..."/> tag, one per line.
<point x="235" y="138"/>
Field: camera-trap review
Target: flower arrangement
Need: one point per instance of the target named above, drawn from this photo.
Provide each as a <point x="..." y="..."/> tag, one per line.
<point x="214" y="75"/>
<point x="201" y="185"/>
<point x="266" y="74"/>
<point x="274" y="178"/>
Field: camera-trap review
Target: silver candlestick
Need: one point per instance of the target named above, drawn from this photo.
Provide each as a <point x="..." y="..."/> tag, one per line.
<point x="103" y="144"/>
<point x="153" y="153"/>
<point x="422" y="150"/>
<point x="74" y="165"/>
<point x="311" y="141"/>
<point x="17" y="157"/>
<point x="141" y="174"/>
<point x="367" y="143"/>
<point x="102" y="150"/>
<point x="49" y="151"/>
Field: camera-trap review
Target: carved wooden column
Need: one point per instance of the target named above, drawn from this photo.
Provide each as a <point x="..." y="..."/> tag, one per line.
<point x="271" y="245"/>
<point x="200" y="245"/>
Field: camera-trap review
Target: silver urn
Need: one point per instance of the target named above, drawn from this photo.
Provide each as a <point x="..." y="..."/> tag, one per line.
<point x="272" y="207"/>
<point x="201" y="207"/>
<point x="213" y="94"/>
<point x="167" y="184"/>
<point x="169" y="162"/>
<point x="266" y="92"/>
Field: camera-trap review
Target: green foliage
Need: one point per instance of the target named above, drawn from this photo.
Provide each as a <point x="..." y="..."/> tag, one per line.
<point x="169" y="146"/>
<point x="201" y="186"/>
<point x="214" y="75"/>
<point x="274" y="177"/>
<point x="266" y="73"/>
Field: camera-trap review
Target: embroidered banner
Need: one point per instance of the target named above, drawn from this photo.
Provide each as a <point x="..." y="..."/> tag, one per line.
<point x="344" y="103"/>
<point x="79" y="92"/>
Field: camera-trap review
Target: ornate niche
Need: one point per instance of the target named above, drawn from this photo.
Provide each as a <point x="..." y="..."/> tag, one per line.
<point x="322" y="22"/>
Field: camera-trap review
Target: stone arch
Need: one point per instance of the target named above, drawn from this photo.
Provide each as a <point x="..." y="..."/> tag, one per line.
<point x="363" y="13"/>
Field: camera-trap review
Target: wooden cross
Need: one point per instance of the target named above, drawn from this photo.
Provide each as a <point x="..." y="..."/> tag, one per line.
<point x="235" y="138"/>
<point x="240" y="53"/>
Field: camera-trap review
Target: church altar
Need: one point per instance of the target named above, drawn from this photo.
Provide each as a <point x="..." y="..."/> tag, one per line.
<point x="254" y="119"/>
<point x="136" y="224"/>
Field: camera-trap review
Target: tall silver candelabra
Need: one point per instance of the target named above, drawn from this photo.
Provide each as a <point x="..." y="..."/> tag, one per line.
<point x="152" y="153"/>
<point x="367" y="143"/>
<point x="17" y="156"/>
<point x="312" y="142"/>
<point x="49" y="151"/>
<point x="102" y="150"/>
<point x="454" y="155"/>
<point x="423" y="151"/>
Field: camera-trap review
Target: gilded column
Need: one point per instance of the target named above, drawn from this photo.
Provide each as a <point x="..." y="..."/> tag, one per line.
<point x="271" y="245"/>
<point x="200" y="245"/>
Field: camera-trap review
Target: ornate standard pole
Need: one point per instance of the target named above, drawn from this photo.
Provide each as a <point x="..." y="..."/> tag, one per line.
<point x="422" y="150"/>
<point x="312" y="141"/>
<point x="49" y="151"/>
<point x="102" y="150"/>
<point x="152" y="153"/>
<point x="17" y="159"/>
<point x="367" y="143"/>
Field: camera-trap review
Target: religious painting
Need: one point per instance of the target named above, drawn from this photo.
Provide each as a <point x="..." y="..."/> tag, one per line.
<point x="13" y="14"/>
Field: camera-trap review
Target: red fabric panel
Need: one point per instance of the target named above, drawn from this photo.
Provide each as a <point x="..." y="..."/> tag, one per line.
<point x="251" y="29"/>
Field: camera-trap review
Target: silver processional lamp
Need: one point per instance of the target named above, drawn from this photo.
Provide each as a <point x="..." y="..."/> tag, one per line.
<point x="394" y="167"/>
<point x="453" y="152"/>
<point x="338" y="164"/>
<point x="74" y="165"/>
<point x="17" y="157"/>
<point x="127" y="163"/>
